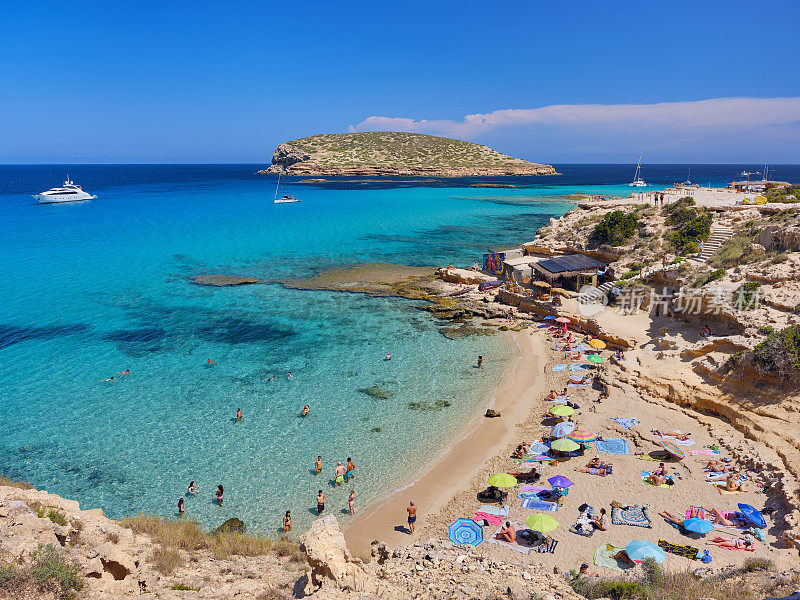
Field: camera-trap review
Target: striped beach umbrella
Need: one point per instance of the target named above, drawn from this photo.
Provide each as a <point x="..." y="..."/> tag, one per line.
<point x="564" y="445"/>
<point x="582" y="435"/>
<point x="541" y="523"/>
<point x="562" y="429"/>
<point x="670" y="447"/>
<point x="562" y="410"/>
<point x="599" y="344"/>
<point x="502" y="480"/>
<point x="465" y="531"/>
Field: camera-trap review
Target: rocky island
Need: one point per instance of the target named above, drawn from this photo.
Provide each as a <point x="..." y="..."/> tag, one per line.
<point x="387" y="153"/>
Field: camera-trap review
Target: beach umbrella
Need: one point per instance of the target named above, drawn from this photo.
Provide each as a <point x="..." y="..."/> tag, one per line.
<point x="595" y="358"/>
<point x="695" y="525"/>
<point x="563" y="320"/>
<point x="502" y="480"/>
<point x="581" y="435"/>
<point x="465" y="531"/>
<point x="640" y="550"/>
<point x="562" y="429"/>
<point x="753" y="515"/>
<point x="599" y="344"/>
<point x="541" y="523"/>
<point x="564" y="445"/>
<point x="548" y="317"/>
<point x="559" y="481"/>
<point x="670" y="447"/>
<point x="561" y="410"/>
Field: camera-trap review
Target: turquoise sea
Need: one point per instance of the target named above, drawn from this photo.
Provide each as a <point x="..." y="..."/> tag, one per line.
<point x="93" y="289"/>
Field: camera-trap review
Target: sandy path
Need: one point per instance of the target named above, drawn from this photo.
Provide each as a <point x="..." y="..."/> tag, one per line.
<point x="518" y="391"/>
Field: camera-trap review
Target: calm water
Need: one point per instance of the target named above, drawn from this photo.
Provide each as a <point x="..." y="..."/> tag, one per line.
<point x="95" y="288"/>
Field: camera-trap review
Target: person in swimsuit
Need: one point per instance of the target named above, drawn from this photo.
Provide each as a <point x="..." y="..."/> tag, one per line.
<point x="623" y="556"/>
<point x="290" y="376"/>
<point x="480" y="362"/>
<point x="507" y="533"/>
<point x="339" y="474"/>
<point x="351" y="502"/>
<point x="306" y="411"/>
<point x="125" y="372"/>
<point x="192" y="488"/>
<point x="601" y="522"/>
<point x="287" y="521"/>
<point x="320" y="502"/>
<point x="318" y="465"/>
<point x="211" y="362"/>
<point x="181" y="508"/>
<point x="739" y="543"/>
<point x="238" y="414"/>
<point x="412" y="517"/>
<point x="219" y="494"/>
<point x="732" y="483"/>
<point x="388" y="356"/>
<point x="109" y="379"/>
<point x="720" y="519"/>
<point x="351" y="467"/>
<point x="658" y="476"/>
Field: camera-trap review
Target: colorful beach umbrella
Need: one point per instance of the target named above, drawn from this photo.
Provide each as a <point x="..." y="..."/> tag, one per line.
<point x="563" y="320"/>
<point x="670" y="447"/>
<point x="562" y="429"/>
<point x="595" y="358"/>
<point x="754" y="516"/>
<point x="564" y="445"/>
<point x="559" y="481"/>
<point x="641" y="550"/>
<point x="695" y="525"/>
<point x="599" y="344"/>
<point x="502" y="480"/>
<point x="561" y="410"/>
<point x="541" y="523"/>
<point x="465" y="531"/>
<point x="582" y="435"/>
<point x="548" y="317"/>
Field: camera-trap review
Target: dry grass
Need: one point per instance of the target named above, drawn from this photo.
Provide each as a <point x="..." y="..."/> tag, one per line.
<point x="23" y="485"/>
<point x="227" y="544"/>
<point x="185" y="535"/>
<point x="166" y="560"/>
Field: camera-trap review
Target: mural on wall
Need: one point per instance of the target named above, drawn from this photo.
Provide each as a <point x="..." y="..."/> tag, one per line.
<point x="493" y="262"/>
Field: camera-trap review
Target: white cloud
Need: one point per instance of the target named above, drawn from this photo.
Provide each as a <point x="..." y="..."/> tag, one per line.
<point x="703" y="117"/>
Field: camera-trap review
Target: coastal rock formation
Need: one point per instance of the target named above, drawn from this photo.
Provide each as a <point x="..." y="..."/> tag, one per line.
<point x="223" y="280"/>
<point x="394" y="153"/>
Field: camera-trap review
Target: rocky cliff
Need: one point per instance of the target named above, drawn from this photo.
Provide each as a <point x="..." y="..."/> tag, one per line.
<point x="395" y="153"/>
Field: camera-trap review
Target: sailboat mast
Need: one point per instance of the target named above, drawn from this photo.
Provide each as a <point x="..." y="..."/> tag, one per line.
<point x="277" y="185"/>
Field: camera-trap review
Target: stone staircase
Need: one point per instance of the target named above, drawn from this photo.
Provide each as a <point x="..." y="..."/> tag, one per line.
<point x="596" y="294"/>
<point x="719" y="235"/>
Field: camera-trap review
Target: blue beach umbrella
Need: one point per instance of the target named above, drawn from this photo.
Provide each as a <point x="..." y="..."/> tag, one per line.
<point x="562" y="429"/>
<point x="548" y="317"/>
<point x="465" y="531"/>
<point x="559" y="481"/>
<point x="753" y="515"/>
<point x="695" y="525"/>
<point x="641" y="550"/>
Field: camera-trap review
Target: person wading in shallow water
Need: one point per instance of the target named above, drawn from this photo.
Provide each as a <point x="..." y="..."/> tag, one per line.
<point x="480" y="362"/>
<point x="320" y="502"/>
<point x="318" y="465"/>
<point x="238" y="414"/>
<point x="219" y="494"/>
<point x="412" y="517"/>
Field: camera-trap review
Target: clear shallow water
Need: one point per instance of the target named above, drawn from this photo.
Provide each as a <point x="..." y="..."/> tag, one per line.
<point x="95" y="288"/>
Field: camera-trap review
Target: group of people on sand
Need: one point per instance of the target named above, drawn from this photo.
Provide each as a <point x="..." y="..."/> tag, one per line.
<point x="192" y="491"/>
<point x="596" y="466"/>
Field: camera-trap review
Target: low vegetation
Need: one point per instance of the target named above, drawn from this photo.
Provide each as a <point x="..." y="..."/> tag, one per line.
<point x="789" y="195"/>
<point x="746" y="296"/>
<point x="23" y="485"/>
<point x="734" y="252"/>
<point x="778" y="355"/>
<point x="615" y="228"/>
<point x="709" y="277"/>
<point x="687" y="225"/>
<point x="50" y="571"/>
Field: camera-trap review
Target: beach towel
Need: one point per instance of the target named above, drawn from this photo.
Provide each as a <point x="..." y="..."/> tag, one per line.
<point x="703" y="452"/>
<point x="613" y="446"/>
<point x="602" y="558"/>
<point x="752" y="548"/>
<point x="557" y="368"/>
<point x="515" y="546"/>
<point x="721" y="488"/>
<point x="716" y="476"/>
<point x="538" y="448"/>
<point x="541" y="457"/>
<point x="678" y="442"/>
<point x="684" y="551"/>
<point x="533" y="503"/>
<point x="545" y="548"/>
<point x="584" y="531"/>
<point x="534" y="488"/>
<point x="580" y="385"/>
<point x="636" y="516"/>
<point x="626" y="422"/>
<point x="488" y="519"/>
<point x="494" y="510"/>
<point x="646" y="474"/>
<point x="562" y="398"/>
<point x="579" y="368"/>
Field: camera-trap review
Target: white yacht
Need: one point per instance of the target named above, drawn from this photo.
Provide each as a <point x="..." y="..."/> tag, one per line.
<point x="637" y="177"/>
<point x="285" y="198"/>
<point x="68" y="193"/>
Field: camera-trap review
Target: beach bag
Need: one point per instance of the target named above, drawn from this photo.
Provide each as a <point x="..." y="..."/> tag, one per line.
<point x="706" y="558"/>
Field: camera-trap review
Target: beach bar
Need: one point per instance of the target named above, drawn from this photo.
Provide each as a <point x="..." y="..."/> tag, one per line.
<point x="571" y="271"/>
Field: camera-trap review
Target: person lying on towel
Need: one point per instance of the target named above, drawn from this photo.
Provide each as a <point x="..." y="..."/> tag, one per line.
<point x="739" y="543"/>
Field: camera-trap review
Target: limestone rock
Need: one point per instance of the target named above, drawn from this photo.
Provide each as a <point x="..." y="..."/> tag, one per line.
<point x="223" y="280"/>
<point x="332" y="565"/>
<point x="232" y="525"/>
<point x="491" y="413"/>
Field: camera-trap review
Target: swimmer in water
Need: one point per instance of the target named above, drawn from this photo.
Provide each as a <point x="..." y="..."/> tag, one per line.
<point x="388" y="356"/>
<point x="351" y="467"/>
<point x="125" y="372"/>
<point x="181" y="508"/>
<point x="109" y="379"/>
<point x="238" y="414"/>
<point x="271" y="378"/>
<point x="192" y="488"/>
<point x="287" y="522"/>
<point x="339" y="474"/>
<point x="290" y="376"/>
<point x="211" y="362"/>
<point x="306" y="411"/>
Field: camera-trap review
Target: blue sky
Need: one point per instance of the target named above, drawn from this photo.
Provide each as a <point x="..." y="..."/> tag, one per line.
<point x="551" y="81"/>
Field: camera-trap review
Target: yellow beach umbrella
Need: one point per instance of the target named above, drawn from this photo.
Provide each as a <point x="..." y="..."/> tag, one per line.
<point x="562" y="410"/>
<point x="502" y="480"/>
<point x="599" y="344"/>
<point x="564" y="445"/>
<point x="760" y="200"/>
<point x="541" y="523"/>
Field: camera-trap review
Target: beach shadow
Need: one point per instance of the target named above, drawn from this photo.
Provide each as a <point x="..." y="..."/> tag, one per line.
<point x="313" y="511"/>
<point x="345" y="511"/>
<point x="402" y="529"/>
<point x="313" y="472"/>
<point x="299" y="590"/>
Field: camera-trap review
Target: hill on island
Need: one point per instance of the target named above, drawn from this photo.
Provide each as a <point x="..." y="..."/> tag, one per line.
<point x="395" y="153"/>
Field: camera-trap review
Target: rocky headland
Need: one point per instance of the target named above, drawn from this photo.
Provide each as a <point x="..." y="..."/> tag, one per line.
<point x="389" y="153"/>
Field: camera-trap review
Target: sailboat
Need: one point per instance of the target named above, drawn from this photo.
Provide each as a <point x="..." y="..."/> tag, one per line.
<point x="285" y="198"/>
<point x="689" y="174"/>
<point x="637" y="177"/>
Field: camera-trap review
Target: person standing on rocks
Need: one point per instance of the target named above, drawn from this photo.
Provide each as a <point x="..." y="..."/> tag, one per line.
<point x="412" y="517"/>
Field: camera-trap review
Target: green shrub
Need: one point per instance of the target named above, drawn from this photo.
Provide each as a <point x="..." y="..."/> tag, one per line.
<point x="780" y="195"/>
<point x="757" y="564"/>
<point x="693" y="226"/>
<point x="51" y="564"/>
<point x="745" y="297"/>
<point x="713" y="276"/>
<point x="57" y="517"/>
<point x="733" y="252"/>
<point x="780" y="258"/>
<point x="679" y="204"/>
<point x="615" y="228"/>
<point x="778" y="355"/>
<point x="766" y="329"/>
<point x="182" y="587"/>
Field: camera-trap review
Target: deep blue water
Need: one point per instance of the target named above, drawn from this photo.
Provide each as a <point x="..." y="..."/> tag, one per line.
<point x="95" y="288"/>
